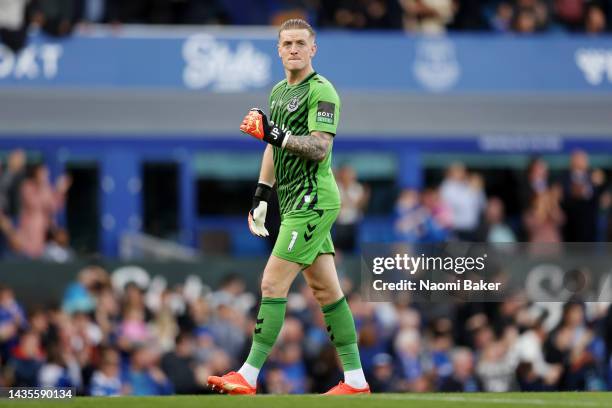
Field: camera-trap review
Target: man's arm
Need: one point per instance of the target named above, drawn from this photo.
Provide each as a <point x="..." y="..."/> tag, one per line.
<point x="263" y="193"/>
<point x="266" y="174"/>
<point x="313" y="146"/>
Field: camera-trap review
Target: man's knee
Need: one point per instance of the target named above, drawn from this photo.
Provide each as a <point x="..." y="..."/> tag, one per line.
<point x="272" y="288"/>
<point x="323" y="295"/>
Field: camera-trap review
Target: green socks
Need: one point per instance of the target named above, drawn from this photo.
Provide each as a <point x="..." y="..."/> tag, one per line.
<point x="341" y="329"/>
<point x="339" y="321"/>
<point x="269" y="322"/>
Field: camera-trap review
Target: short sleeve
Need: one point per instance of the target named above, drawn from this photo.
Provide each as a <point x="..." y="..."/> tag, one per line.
<point x="323" y="108"/>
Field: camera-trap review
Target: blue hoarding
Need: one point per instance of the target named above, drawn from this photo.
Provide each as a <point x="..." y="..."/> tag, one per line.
<point x="230" y="61"/>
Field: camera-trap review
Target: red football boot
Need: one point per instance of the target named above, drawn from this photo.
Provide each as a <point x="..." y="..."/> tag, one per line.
<point x="345" y="389"/>
<point x="231" y="383"/>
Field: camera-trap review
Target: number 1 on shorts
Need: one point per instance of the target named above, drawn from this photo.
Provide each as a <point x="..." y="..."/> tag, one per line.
<point x="294" y="235"/>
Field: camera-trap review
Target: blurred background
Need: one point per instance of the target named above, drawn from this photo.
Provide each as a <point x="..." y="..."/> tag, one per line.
<point x="126" y="266"/>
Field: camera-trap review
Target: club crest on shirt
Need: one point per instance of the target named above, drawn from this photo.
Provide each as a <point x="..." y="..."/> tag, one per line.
<point x="293" y="104"/>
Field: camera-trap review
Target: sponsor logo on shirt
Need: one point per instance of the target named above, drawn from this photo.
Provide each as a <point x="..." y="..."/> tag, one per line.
<point x="325" y="112"/>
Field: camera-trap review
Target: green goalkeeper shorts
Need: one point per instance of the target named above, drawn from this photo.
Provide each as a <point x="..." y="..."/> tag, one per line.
<point x="304" y="235"/>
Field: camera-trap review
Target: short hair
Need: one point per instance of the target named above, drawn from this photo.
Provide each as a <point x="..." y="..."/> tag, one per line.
<point x="296" y="24"/>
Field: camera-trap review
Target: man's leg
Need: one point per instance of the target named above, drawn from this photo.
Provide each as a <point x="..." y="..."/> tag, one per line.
<point x="278" y="276"/>
<point x="322" y="278"/>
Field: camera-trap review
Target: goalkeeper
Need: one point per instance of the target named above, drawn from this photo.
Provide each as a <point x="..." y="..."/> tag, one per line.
<point x="304" y="114"/>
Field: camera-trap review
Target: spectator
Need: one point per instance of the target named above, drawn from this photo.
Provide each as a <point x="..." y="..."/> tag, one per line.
<point x="421" y="218"/>
<point x="134" y="331"/>
<point x="410" y="217"/>
<point x="525" y="21"/>
<point x="106" y="381"/>
<point x="26" y="360"/>
<point x="9" y="242"/>
<point x="595" y="20"/>
<point x="232" y="291"/>
<point x="371" y="343"/>
<point x="348" y="14"/>
<point x="10" y="183"/>
<point x="205" y="345"/>
<point x="501" y="21"/>
<point x="86" y="332"/>
<point x="571" y="345"/>
<point x="79" y="296"/>
<point x="408" y="348"/>
<point x="57" y="248"/>
<point x="275" y="381"/>
<point x="60" y="370"/>
<point x="439" y="216"/>
<point x="570" y="13"/>
<point x="540" y="11"/>
<point x="354" y="197"/>
<point x="39" y="324"/>
<point x="134" y="299"/>
<point x="543" y="220"/>
<point x="226" y="330"/>
<point x="292" y="364"/>
<point x="535" y="182"/>
<point x="144" y="376"/>
<point x="165" y="327"/>
<point x="463" y="378"/>
<point x="427" y="16"/>
<point x="496" y="369"/>
<point x="12" y="320"/>
<point x="56" y="17"/>
<point x="40" y="201"/>
<point x="534" y="373"/>
<point x="180" y="365"/>
<point x="383" y="378"/>
<point x="441" y="345"/>
<point x="463" y="194"/>
<point x="494" y="229"/>
<point x="582" y="191"/>
<point x="382" y="14"/>
<point x="107" y="313"/>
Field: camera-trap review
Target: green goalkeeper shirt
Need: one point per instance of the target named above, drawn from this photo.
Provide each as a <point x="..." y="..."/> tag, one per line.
<point x="311" y="105"/>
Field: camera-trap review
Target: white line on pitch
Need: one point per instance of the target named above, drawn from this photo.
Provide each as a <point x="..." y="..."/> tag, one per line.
<point x="448" y="398"/>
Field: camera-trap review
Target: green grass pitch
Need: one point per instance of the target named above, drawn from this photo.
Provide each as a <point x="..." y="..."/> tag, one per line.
<point x="437" y="400"/>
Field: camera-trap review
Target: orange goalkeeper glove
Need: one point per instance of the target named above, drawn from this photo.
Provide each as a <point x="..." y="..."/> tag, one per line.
<point x="256" y="124"/>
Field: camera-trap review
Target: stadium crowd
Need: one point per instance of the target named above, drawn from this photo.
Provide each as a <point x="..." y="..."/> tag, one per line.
<point x="574" y="206"/>
<point x="62" y="17"/>
<point x="112" y="338"/>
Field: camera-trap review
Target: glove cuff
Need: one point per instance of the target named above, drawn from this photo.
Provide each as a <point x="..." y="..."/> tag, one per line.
<point x="276" y="136"/>
<point x="263" y="192"/>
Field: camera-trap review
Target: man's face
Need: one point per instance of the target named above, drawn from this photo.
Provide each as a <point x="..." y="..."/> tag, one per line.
<point x="296" y="49"/>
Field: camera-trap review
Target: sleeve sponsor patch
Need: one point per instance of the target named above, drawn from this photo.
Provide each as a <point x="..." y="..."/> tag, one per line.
<point x="325" y="112"/>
